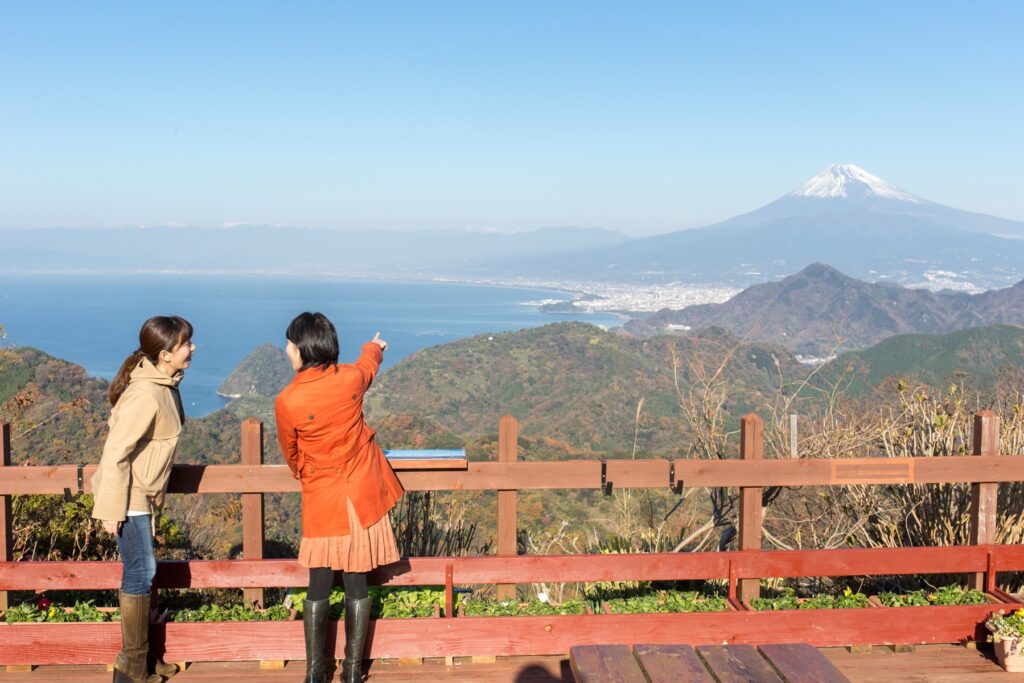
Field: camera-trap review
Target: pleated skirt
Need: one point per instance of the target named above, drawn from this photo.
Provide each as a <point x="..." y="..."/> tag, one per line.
<point x="359" y="551"/>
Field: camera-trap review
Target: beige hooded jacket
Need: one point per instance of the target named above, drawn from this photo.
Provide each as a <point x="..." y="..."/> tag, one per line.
<point x="139" y="451"/>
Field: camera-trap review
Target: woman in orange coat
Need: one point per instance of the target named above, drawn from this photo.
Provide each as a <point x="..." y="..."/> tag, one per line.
<point x="348" y="486"/>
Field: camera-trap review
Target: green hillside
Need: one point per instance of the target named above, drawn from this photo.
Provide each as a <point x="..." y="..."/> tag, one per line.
<point x="575" y="389"/>
<point x="575" y="383"/>
<point x="975" y="356"/>
<point x="58" y="414"/>
<point x="264" y="372"/>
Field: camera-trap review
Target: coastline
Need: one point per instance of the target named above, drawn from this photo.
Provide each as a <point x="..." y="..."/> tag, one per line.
<point x="623" y="299"/>
<point x="236" y="312"/>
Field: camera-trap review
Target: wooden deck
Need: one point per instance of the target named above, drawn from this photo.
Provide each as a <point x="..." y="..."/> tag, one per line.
<point x="928" y="663"/>
<point x="931" y="663"/>
<point x="735" y="663"/>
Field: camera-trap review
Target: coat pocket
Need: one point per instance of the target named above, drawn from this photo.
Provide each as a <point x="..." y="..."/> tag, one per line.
<point x="152" y="467"/>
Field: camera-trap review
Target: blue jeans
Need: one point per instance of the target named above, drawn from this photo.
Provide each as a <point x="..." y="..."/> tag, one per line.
<point x="139" y="563"/>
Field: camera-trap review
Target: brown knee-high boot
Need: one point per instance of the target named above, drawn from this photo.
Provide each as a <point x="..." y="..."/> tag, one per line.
<point x="157" y="665"/>
<point x="130" y="664"/>
<point x="162" y="668"/>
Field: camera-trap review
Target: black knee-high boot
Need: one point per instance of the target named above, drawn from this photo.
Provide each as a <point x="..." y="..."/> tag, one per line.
<point x="357" y="619"/>
<point x="314" y="627"/>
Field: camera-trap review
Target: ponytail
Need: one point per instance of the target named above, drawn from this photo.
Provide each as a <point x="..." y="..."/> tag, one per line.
<point x="159" y="333"/>
<point x="120" y="382"/>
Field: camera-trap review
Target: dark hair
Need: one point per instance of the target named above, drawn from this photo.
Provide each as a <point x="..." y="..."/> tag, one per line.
<point x="316" y="338"/>
<point x="159" y="333"/>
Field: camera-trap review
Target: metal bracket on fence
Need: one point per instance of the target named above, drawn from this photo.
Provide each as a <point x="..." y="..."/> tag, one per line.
<point x="673" y="485"/>
<point x="81" y="489"/>
<point x="606" y="486"/>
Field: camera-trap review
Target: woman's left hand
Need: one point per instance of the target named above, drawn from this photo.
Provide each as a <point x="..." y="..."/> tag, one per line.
<point x="112" y="528"/>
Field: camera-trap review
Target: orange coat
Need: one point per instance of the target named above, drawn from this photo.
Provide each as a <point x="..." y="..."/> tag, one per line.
<point x="329" y="446"/>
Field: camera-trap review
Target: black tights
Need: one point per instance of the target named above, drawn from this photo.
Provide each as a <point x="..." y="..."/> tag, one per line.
<point x="322" y="578"/>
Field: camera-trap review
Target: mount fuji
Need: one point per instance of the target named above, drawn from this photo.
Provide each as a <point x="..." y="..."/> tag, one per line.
<point x="844" y="216"/>
<point x="842" y="187"/>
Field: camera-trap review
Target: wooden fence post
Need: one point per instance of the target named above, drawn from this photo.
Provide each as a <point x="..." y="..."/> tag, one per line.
<point x="984" y="495"/>
<point x="751" y="448"/>
<point x="252" y="504"/>
<point x="508" y="451"/>
<point x="5" y="506"/>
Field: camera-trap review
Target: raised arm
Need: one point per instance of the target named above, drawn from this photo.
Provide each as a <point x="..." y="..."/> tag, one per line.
<point x="130" y="420"/>
<point x="370" y="358"/>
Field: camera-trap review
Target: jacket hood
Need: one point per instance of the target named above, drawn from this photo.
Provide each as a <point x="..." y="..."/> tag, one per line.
<point x="145" y="371"/>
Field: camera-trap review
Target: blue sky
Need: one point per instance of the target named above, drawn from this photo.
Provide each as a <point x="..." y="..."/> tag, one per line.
<point x="640" y="117"/>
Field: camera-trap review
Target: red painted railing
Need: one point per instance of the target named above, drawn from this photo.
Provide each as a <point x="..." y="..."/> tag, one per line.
<point x="447" y="636"/>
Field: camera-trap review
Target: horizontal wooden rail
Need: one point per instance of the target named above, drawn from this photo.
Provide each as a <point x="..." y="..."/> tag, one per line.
<point x="566" y="474"/>
<point x="509" y="636"/>
<point x="418" y="571"/>
<point x="863" y="561"/>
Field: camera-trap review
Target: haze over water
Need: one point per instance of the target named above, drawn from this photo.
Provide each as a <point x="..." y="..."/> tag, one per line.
<point x="94" y="320"/>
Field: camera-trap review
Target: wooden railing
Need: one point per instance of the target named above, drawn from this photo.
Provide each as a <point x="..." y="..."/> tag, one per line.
<point x="741" y="570"/>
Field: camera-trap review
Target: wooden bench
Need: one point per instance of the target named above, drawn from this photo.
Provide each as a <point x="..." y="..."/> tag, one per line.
<point x="780" y="663"/>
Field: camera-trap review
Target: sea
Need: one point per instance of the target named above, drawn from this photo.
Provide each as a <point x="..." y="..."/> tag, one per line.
<point x="94" y="320"/>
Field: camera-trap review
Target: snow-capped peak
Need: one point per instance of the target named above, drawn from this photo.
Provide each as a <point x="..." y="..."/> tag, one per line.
<point x="847" y="180"/>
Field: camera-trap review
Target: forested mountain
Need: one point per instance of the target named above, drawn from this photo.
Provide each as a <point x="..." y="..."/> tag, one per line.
<point x="570" y="382"/>
<point x="978" y="356"/>
<point x="264" y="372"/>
<point x="820" y="311"/>
<point x="57" y="413"/>
<point x="574" y="387"/>
<point x="578" y="391"/>
<point x="577" y="383"/>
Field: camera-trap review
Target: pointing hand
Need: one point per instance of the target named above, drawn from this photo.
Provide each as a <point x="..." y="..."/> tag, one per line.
<point x="379" y="342"/>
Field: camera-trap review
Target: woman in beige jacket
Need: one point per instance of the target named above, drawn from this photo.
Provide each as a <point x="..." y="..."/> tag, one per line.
<point x="131" y="480"/>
